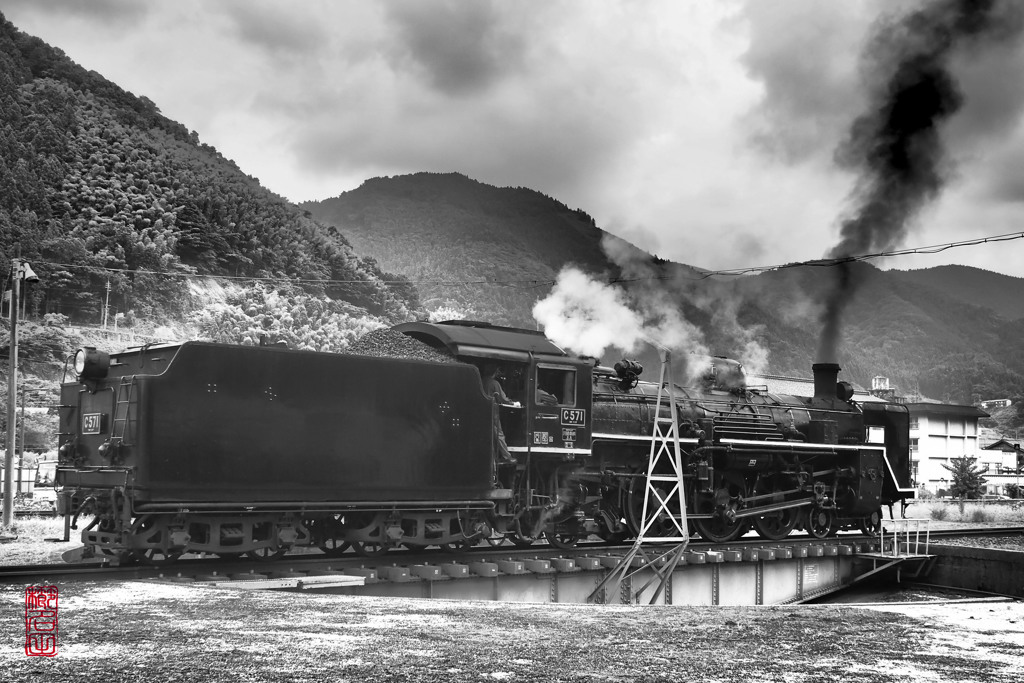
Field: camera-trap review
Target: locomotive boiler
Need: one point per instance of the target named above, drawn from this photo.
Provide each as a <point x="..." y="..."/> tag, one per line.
<point x="201" y="447"/>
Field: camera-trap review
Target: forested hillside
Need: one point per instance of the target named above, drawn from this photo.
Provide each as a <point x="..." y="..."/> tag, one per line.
<point x="96" y="186"/>
<point x="1001" y="293"/>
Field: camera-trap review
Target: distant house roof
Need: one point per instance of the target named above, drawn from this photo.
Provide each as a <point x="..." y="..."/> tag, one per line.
<point x="1002" y="445"/>
<point x="924" y="408"/>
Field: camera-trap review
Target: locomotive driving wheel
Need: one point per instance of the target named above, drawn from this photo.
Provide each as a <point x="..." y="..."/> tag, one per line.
<point x="722" y="526"/>
<point x="774" y="526"/>
<point x="665" y="523"/>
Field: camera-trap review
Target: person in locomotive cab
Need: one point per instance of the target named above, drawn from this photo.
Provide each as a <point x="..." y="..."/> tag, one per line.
<point x="492" y="388"/>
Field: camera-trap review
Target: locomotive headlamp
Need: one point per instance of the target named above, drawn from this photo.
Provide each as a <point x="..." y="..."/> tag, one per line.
<point x="91" y="363"/>
<point x="66" y="452"/>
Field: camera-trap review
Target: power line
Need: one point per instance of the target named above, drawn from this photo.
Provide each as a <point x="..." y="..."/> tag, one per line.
<point x="534" y="283"/>
<point x="832" y="262"/>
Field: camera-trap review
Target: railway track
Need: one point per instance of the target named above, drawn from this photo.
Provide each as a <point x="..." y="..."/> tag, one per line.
<point x="313" y="562"/>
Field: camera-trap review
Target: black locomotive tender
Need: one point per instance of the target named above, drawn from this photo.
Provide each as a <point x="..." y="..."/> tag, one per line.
<point x="202" y="447"/>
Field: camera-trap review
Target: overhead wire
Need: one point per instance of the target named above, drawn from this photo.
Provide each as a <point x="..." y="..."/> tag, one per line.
<point x="702" y="274"/>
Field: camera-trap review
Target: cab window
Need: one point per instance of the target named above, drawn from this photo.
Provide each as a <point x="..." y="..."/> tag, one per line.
<point x="556" y="386"/>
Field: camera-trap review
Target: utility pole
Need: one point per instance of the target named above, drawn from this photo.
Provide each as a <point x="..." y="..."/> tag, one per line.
<point x="21" y="449"/>
<point x="106" y="306"/>
<point x="19" y="271"/>
<point x="12" y="397"/>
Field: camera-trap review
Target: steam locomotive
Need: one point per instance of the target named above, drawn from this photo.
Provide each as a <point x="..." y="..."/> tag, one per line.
<point x="213" y="448"/>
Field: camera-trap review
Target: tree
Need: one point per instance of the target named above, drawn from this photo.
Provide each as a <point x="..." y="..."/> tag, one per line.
<point x="967" y="479"/>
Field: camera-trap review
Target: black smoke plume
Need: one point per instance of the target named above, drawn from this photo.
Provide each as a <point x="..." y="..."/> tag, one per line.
<point x="896" y="146"/>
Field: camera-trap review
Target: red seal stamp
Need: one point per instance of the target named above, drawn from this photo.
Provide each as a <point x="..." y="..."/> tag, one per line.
<point x="41" y="621"/>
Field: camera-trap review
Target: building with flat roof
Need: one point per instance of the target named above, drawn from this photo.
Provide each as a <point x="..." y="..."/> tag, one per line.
<point x="940" y="432"/>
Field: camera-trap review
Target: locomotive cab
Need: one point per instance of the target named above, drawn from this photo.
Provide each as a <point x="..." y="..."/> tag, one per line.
<point x="551" y="391"/>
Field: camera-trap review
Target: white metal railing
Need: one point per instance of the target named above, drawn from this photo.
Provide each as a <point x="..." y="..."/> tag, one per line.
<point x="904" y="536"/>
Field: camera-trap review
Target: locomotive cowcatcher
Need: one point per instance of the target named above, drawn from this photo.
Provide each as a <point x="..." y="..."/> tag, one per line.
<point x="201" y="447"/>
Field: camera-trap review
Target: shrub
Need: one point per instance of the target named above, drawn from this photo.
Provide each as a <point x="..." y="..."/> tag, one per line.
<point x="939" y="512"/>
<point x="979" y="515"/>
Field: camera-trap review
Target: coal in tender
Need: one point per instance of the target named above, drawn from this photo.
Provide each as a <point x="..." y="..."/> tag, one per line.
<point x="386" y="343"/>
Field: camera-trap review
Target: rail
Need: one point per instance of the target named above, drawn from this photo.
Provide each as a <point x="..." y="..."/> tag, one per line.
<point x="898" y="536"/>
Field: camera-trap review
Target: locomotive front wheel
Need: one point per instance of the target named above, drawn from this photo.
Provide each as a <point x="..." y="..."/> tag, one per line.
<point x="819" y="522"/>
<point x="776" y="525"/>
<point x="871" y="524"/>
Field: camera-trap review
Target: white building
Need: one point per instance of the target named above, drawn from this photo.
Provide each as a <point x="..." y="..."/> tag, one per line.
<point x="1005" y="461"/>
<point x="940" y="432"/>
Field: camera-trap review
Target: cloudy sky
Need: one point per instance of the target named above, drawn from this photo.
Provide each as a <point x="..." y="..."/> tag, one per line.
<point x="703" y="131"/>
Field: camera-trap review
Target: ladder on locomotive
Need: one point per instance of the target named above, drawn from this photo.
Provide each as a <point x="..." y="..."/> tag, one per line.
<point x="123" y="409"/>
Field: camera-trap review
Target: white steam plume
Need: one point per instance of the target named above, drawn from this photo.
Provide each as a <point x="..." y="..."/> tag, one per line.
<point x="587" y="316"/>
<point x="672" y="283"/>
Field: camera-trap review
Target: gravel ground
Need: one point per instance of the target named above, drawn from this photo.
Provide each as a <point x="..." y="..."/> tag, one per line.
<point x="137" y="631"/>
<point x="1015" y="542"/>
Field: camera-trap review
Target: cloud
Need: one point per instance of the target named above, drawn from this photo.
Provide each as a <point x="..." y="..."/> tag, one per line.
<point x="278" y="30"/>
<point x="461" y="48"/>
<point x="109" y="13"/>
<point x="800" y="51"/>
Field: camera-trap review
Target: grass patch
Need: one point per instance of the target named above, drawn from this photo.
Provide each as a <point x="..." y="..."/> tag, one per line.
<point x="1003" y="512"/>
<point x="28" y="544"/>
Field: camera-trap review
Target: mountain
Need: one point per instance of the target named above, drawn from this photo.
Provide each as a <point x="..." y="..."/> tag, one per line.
<point x="1001" y="293"/>
<point x="923" y="338"/>
<point x="470" y="247"/>
<point x="948" y="333"/>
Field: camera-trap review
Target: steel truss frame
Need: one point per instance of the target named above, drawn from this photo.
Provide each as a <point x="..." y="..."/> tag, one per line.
<point x="658" y="505"/>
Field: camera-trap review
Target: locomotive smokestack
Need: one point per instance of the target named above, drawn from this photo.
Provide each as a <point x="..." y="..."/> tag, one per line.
<point x="826" y="376"/>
